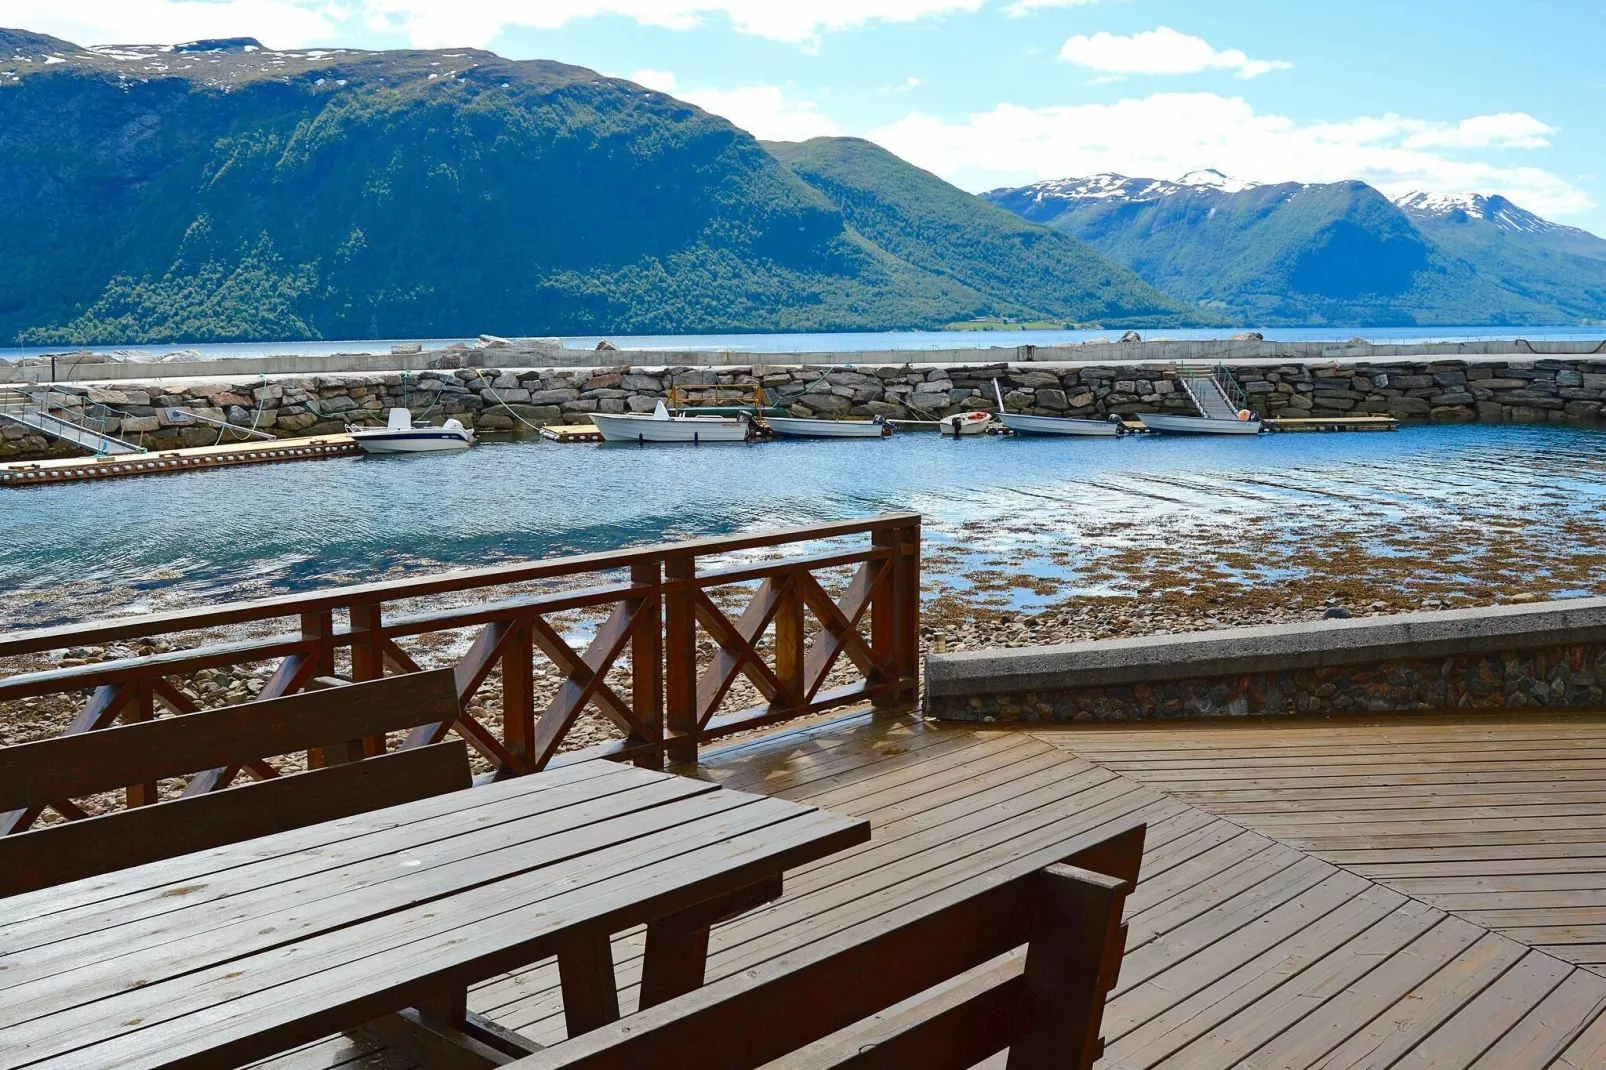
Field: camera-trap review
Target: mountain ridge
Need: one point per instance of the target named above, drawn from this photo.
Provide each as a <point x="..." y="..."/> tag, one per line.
<point x="219" y="190"/>
<point x="1313" y="253"/>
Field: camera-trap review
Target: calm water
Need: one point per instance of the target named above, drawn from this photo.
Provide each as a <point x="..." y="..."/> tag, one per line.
<point x="852" y="342"/>
<point x="1077" y="514"/>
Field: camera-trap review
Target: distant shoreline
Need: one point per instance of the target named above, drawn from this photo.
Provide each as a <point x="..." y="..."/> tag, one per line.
<point x="827" y="342"/>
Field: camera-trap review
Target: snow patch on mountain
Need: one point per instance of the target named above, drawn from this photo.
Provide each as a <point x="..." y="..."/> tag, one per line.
<point x="1494" y="209"/>
<point x="1210" y="178"/>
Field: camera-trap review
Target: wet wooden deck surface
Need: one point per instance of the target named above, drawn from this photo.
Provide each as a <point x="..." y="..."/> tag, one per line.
<point x="1249" y="945"/>
<point x="1501" y="821"/>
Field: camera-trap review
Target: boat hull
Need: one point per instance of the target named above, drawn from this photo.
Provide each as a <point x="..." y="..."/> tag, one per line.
<point x="1198" y="425"/>
<point x="960" y="426"/>
<point x="415" y="441"/>
<point x="695" y="429"/>
<point x="1058" y="425"/>
<point x="795" y="427"/>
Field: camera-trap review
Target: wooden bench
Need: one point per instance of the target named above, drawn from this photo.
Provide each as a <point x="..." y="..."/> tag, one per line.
<point x="217" y="744"/>
<point x="1019" y="961"/>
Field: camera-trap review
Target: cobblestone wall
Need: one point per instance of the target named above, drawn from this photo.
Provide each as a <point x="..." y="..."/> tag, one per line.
<point x="1555" y="677"/>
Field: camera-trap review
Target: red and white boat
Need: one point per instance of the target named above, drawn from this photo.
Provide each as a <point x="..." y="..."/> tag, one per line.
<point x="965" y="423"/>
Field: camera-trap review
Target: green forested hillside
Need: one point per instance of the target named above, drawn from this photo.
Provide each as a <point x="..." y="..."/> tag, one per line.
<point x="1333" y="253"/>
<point x="941" y="229"/>
<point x="226" y="191"/>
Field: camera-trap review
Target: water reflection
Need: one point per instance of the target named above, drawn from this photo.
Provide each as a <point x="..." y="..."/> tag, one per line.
<point x="1063" y="511"/>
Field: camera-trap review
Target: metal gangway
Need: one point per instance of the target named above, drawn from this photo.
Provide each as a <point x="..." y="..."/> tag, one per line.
<point x="73" y="424"/>
<point x="1215" y="393"/>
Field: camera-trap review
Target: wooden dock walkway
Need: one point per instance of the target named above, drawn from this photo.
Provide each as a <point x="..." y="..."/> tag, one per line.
<point x="1332" y="423"/>
<point x="1258" y="939"/>
<point x="160" y="462"/>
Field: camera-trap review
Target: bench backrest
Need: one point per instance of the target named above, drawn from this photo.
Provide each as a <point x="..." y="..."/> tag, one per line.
<point x="1022" y="962"/>
<point x="216" y="744"/>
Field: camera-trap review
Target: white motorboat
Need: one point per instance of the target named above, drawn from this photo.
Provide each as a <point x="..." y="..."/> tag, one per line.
<point x="796" y="427"/>
<point x="1022" y="424"/>
<point x="659" y="426"/>
<point x="965" y="423"/>
<point x="399" y="435"/>
<point x="1200" y="425"/>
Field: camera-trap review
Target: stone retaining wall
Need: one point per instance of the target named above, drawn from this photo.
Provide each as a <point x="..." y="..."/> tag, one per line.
<point x="1550" y="655"/>
<point x="503" y="399"/>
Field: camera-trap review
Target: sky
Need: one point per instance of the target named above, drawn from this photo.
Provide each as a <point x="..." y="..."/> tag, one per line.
<point x="1449" y="96"/>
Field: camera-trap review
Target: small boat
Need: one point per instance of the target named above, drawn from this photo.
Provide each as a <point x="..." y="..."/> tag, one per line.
<point x="1022" y="424"/>
<point x="965" y="423"/>
<point x="1247" y="423"/>
<point x="400" y="436"/>
<point x="659" y="426"/>
<point x="797" y="427"/>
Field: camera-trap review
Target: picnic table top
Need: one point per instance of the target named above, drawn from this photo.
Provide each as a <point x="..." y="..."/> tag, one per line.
<point x="232" y="954"/>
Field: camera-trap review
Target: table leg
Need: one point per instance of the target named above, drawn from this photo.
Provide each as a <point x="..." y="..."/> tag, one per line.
<point x="677" y="945"/>
<point x="590" y="993"/>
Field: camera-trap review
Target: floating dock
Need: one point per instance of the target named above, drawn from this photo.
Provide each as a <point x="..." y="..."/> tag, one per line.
<point x="81" y="469"/>
<point x="1333" y="423"/>
<point x="571" y="433"/>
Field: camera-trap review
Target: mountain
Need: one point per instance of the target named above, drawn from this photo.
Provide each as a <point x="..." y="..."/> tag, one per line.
<point x="924" y="221"/>
<point x="224" y="190"/>
<point x="1333" y="253"/>
<point x="1559" y="265"/>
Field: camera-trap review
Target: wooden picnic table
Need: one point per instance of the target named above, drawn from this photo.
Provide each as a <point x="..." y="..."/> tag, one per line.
<point x="230" y="955"/>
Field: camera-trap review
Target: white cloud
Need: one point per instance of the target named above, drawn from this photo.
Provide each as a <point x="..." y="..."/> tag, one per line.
<point x="765" y="111"/>
<point x="1161" y="51"/>
<point x="1022" y="8"/>
<point x="278" y="23"/>
<point x="1508" y="130"/>
<point x="442" y="23"/>
<point x="1168" y="134"/>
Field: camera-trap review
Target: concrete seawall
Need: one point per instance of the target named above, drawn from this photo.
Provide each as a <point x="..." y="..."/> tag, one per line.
<point x="85" y="367"/>
<point x="161" y="412"/>
<point x="1551" y="654"/>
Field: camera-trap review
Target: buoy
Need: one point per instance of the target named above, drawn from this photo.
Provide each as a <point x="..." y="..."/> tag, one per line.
<point x="1245" y="415"/>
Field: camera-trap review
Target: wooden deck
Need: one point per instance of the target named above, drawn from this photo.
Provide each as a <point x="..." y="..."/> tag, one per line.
<point x="1499" y="821"/>
<point x="1259" y="936"/>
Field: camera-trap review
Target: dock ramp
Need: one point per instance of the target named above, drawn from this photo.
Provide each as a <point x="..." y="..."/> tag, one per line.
<point x="1215" y="393"/>
<point x="32" y="410"/>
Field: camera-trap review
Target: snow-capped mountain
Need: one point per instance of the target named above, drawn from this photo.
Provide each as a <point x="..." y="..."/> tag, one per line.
<point x="1329" y="252"/>
<point x="1113" y="187"/>
<point x="1459" y="207"/>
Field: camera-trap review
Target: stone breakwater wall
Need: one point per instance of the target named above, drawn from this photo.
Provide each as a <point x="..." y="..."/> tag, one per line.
<point x="161" y="413"/>
<point x="85" y="366"/>
<point x="1549" y="655"/>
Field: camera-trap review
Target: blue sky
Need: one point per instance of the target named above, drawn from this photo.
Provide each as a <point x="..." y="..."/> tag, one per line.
<point x="1472" y="95"/>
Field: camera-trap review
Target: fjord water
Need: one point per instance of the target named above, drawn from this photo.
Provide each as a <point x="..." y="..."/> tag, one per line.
<point x="845" y="342"/>
<point x="1048" y="509"/>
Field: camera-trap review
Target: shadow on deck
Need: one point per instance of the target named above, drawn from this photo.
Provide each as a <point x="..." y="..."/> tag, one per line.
<point x="1332" y="894"/>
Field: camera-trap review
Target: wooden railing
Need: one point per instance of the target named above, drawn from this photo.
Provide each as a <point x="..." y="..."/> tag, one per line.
<point x="663" y="665"/>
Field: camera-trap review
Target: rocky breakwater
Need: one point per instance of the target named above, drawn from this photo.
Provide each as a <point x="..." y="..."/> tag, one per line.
<point x="167" y="414"/>
<point x="1516" y="391"/>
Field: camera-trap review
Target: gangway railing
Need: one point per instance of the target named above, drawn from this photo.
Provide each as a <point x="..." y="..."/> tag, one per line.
<point x="86" y="427"/>
<point x="1214" y="391"/>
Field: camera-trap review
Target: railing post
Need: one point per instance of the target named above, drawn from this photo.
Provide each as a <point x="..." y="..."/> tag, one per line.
<point x="680" y="658"/>
<point x="143" y="708"/>
<point x="518" y="693"/>
<point x="647" y="661"/>
<point x="789" y="644"/>
<point x="367" y="661"/>
<point x="895" y="615"/>
<point x="319" y="626"/>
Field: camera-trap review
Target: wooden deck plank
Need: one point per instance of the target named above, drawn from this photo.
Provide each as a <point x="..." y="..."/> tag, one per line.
<point x="1500" y="819"/>
<point x="1245" y="949"/>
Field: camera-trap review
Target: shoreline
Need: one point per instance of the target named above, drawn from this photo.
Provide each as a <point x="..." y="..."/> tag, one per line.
<point x="182" y="411"/>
